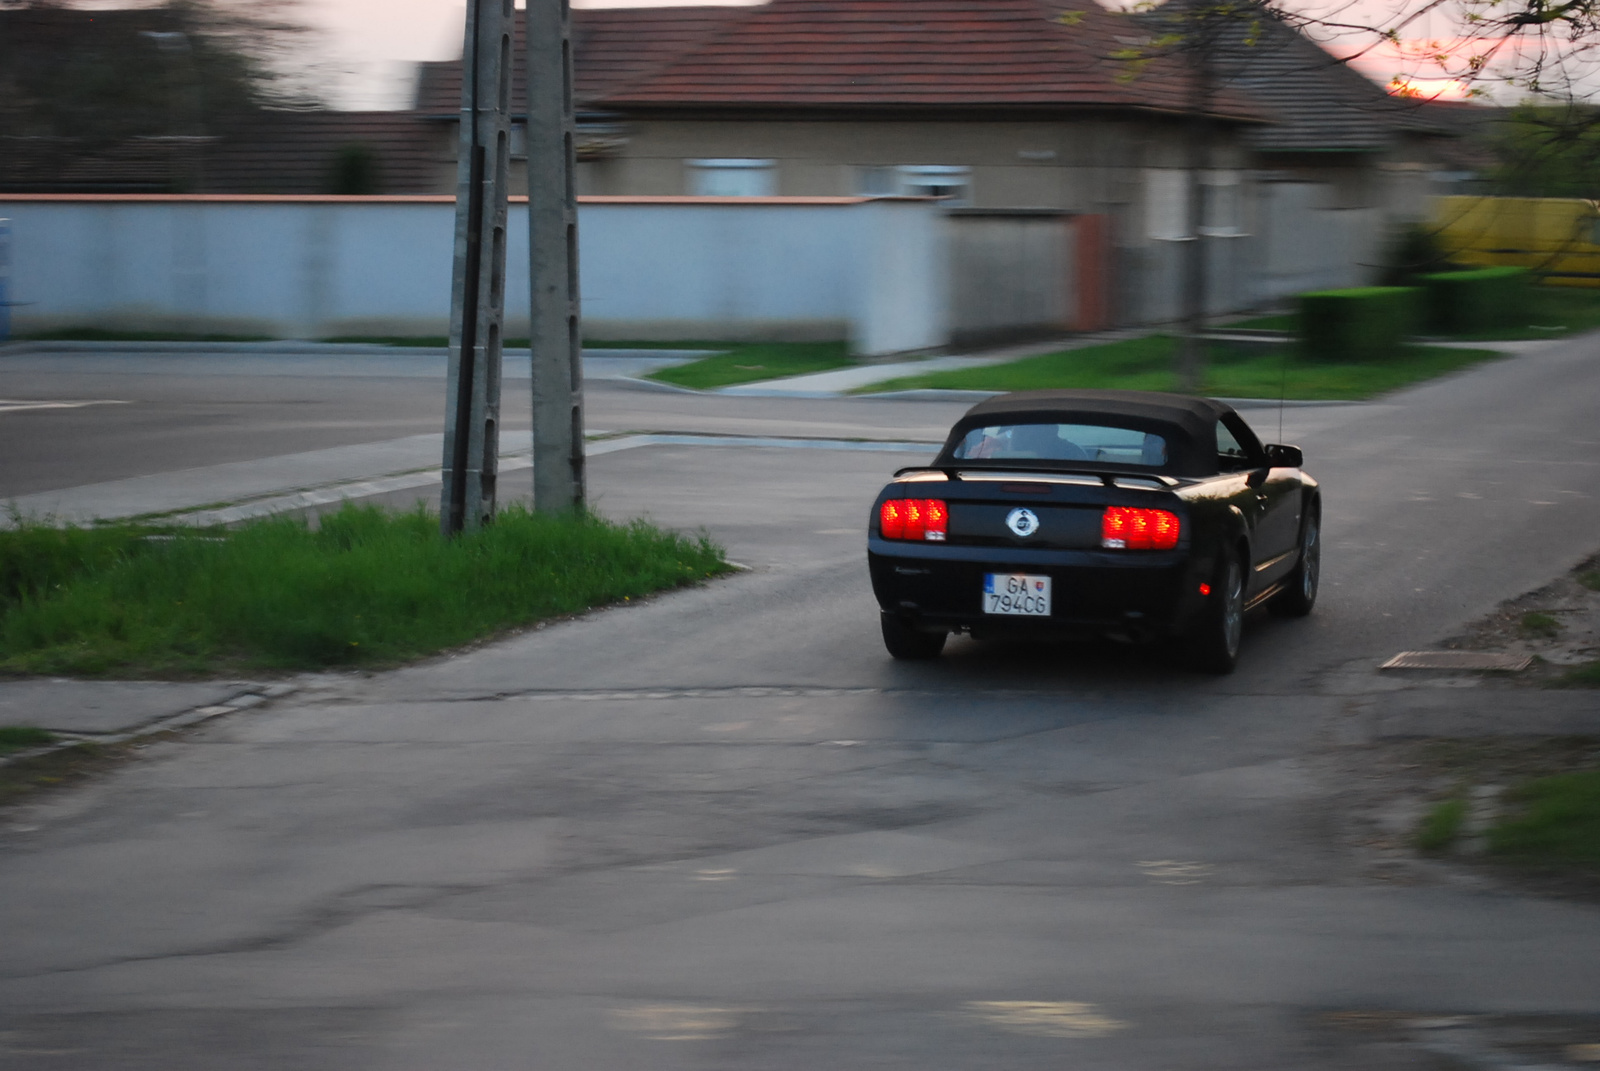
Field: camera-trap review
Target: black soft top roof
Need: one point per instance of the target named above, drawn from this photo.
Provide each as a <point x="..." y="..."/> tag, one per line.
<point x="1188" y="423"/>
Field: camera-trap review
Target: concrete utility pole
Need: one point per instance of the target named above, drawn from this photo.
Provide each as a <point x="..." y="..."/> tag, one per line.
<point x="477" y="311"/>
<point x="558" y="463"/>
<point x="1204" y="17"/>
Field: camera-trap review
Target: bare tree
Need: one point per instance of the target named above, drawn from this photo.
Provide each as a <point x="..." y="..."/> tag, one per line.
<point x="78" y="83"/>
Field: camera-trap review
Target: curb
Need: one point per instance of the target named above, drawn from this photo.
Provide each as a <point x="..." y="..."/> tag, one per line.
<point x="182" y="720"/>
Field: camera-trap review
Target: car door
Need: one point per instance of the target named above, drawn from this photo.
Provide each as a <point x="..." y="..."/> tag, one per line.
<point x="1274" y="497"/>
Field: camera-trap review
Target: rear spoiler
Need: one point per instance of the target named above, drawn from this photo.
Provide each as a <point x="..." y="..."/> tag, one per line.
<point x="1109" y="479"/>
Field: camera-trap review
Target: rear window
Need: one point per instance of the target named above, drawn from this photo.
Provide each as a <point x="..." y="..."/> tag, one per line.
<point x="1063" y="442"/>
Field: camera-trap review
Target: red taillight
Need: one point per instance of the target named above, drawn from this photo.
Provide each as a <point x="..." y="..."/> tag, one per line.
<point x="1126" y="528"/>
<point x="916" y="519"/>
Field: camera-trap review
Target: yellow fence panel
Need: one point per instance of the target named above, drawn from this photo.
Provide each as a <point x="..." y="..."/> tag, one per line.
<point x="1558" y="237"/>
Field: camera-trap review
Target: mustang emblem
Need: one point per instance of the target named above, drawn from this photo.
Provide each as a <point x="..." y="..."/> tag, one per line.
<point x="1024" y="522"/>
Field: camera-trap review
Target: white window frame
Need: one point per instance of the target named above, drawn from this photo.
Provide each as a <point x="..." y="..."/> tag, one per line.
<point x="753" y="178"/>
<point x="1222" y="203"/>
<point x="915" y="180"/>
<point x="1166" y="195"/>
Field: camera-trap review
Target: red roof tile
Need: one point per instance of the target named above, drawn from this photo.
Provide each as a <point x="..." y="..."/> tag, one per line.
<point x="832" y="54"/>
<point x="611" y="46"/>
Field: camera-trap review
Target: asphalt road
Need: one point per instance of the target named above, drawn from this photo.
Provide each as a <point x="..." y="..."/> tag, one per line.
<point x="722" y="830"/>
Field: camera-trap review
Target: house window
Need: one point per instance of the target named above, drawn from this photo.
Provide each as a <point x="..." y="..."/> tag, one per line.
<point x="519" y="141"/>
<point x="1220" y="204"/>
<point x="1166" y="204"/>
<point x="917" y="180"/>
<point x="732" y="178"/>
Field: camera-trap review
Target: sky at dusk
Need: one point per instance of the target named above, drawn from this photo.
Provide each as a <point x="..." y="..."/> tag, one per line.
<point x="371" y="46"/>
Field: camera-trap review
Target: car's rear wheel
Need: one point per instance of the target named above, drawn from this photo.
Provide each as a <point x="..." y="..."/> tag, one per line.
<point x="1212" y="644"/>
<point x="1300" y="592"/>
<point x="908" y="643"/>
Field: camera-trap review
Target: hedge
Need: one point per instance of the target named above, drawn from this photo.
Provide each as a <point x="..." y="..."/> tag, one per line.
<point x="1363" y="324"/>
<point x="1479" y="300"/>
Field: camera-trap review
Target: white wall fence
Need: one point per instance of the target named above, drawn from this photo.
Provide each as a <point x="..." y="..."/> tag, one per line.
<point x="872" y="271"/>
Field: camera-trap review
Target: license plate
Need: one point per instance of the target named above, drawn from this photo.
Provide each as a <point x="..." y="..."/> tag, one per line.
<point x="1016" y="593"/>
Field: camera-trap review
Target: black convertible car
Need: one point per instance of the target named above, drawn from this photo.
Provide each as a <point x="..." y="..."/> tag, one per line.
<point x="1089" y="512"/>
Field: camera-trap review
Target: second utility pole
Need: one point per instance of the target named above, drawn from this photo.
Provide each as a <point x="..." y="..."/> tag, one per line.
<point x="558" y="456"/>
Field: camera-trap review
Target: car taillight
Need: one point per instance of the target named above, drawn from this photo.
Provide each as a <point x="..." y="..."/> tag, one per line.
<point x="916" y="519"/>
<point x="1126" y="528"/>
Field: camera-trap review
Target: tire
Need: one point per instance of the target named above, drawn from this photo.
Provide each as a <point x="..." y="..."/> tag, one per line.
<point x="1212" y="645"/>
<point x="907" y="643"/>
<point x="1300" y="591"/>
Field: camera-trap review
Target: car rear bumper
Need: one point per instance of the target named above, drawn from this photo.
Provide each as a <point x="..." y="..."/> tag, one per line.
<point x="1142" y="594"/>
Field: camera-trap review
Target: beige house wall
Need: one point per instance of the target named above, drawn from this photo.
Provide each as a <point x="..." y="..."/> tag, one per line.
<point x="1080" y="165"/>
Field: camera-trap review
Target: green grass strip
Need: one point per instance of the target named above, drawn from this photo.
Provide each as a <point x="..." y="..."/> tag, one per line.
<point x="752" y="362"/>
<point x="1441" y="826"/>
<point x="1557" y="821"/>
<point x="364" y="588"/>
<point x="1234" y="371"/>
<point x="22" y="738"/>
<point x="1584" y="676"/>
<point x="1552" y="312"/>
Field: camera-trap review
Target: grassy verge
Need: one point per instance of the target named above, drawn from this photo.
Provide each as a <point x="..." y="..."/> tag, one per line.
<point x="1553" y="311"/>
<point x="752" y="362"/>
<point x="1286" y="321"/>
<point x="366" y="588"/>
<point x="1235" y="371"/>
<point x="21" y="738"/>
<point x="1553" y="821"/>
<point x="1584" y="676"/>
<point x="1545" y="828"/>
<point x="1441" y="826"/>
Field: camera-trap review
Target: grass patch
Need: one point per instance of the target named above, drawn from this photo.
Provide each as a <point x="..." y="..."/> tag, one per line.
<point x="21" y="738"/>
<point x="1584" y="676"/>
<point x="1285" y="321"/>
<point x="97" y="334"/>
<point x="1556" y="821"/>
<point x="1234" y="372"/>
<point x="752" y="362"/>
<point x="1539" y="625"/>
<point x="1590" y="580"/>
<point x="1441" y="826"/>
<point x="1553" y="311"/>
<point x="365" y="588"/>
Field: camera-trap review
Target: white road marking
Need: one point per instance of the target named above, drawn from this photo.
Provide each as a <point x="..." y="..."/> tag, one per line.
<point x="15" y="406"/>
<point x="1046" y="1018"/>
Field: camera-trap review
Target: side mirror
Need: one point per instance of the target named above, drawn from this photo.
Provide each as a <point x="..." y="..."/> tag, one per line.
<point x="1284" y="457"/>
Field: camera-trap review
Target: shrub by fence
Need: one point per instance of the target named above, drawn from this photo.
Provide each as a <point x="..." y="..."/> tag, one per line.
<point x="1362" y="324"/>
<point x="1479" y="300"/>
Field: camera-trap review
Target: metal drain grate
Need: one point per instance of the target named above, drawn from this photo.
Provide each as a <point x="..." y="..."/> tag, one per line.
<point x="1466" y="660"/>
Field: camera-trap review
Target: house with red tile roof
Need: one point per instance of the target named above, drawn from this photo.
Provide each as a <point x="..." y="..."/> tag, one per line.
<point x="1002" y="107"/>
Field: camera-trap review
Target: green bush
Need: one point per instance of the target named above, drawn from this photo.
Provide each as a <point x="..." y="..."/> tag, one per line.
<point x="1363" y="324"/>
<point x="1478" y="300"/>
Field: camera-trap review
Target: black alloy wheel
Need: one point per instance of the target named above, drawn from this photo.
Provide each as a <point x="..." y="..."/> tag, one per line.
<point x="1218" y="630"/>
<point x="907" y="643"/>
<point x="1300" y="592"/>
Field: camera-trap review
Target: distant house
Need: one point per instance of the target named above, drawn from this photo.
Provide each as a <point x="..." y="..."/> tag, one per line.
<point x="1001" y="106"/>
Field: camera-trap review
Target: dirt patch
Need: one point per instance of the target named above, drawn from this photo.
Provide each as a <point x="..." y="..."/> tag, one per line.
<point x="1558" y="626"/>
<point x="1391" y="787"/>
